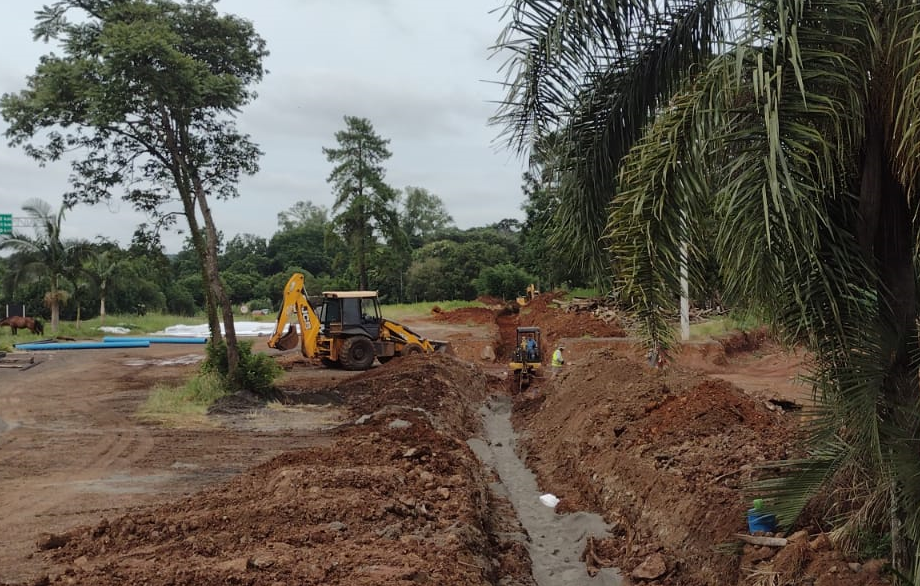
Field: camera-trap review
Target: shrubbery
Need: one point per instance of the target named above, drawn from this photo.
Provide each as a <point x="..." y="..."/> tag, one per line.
<point x="256" y="372"/>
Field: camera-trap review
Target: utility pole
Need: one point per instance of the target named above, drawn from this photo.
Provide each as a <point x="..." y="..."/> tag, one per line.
<point x="684" y="279"/>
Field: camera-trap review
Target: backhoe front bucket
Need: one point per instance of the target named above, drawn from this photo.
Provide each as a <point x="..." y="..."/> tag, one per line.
<point x="290" y="340"/>
<point x="442" y="347"/>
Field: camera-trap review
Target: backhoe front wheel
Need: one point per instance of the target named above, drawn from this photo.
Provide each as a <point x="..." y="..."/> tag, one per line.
<point x="357" y="353"/>
<point x="412" y="348"/>
<point x="330" y="363"/>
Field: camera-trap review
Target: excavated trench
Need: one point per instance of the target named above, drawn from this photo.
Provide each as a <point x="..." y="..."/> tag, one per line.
<point x="555" y="542"/>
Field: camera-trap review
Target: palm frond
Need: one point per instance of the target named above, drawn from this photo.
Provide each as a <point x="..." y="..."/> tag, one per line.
<point x="612" y="109"/>
<point x="654" y="224"/>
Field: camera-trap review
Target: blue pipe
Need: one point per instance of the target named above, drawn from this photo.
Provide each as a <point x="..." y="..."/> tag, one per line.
<point x="82" y="345"/>
<point x="166" y="340"/>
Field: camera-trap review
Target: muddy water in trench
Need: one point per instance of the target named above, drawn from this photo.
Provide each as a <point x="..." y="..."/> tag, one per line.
<point x="555" y="541"/>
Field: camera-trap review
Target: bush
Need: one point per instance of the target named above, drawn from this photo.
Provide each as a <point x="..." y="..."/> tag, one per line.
<point x="260" y="303"/>
<point x="505" y="280"/>
<point x="256" y="372"/>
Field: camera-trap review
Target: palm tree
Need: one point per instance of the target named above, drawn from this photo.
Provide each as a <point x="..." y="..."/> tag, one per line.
<point x="100" y="267"/>
<point x="46" y="255"/>
<point x="794" y="124"/>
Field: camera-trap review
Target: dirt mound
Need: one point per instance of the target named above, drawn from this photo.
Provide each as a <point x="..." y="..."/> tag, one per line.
<point x="556" y="323"/>
<point x="740" y="341"/>
<point x="661" y="454"/>
<point x="489" y="300"/>
<point x="543" y="312"/>
<point x="398" y="498"/>
<point x="808" y="559"/>
<point x="467" y="315"/>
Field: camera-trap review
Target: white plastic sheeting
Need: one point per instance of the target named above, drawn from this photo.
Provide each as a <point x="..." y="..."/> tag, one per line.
<point x="114" y="330"/>
<point x="243" y="328"/>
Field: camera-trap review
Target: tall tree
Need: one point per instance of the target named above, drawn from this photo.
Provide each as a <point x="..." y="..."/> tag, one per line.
<point x="303" y="213"/>
<point x="47" y="255"/>
<point x="147" y="91"/>
<point x="306" y="238"/>
<point x="364" y="202"/>
<point x="423" y="215"/>
<point x="793" y="123"/>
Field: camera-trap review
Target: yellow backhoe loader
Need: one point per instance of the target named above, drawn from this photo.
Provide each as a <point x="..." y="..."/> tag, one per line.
<point x="527" y="357"/>
<point x="532" y="292"/>
<point x="347" y="331"/>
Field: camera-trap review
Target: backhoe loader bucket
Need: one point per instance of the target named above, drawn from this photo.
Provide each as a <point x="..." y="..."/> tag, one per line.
<point x="290" y="340"/>
<point x="442" y="347"/>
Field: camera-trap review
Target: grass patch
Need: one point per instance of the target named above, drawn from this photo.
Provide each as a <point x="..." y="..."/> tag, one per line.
<point x="183" y="404"/>
<point x="399" y="311"/>
<point x="582" y="292"/>
<point x="713" y="328"/>
<point x="137" y="324"/>
<point x="7" y="339"/>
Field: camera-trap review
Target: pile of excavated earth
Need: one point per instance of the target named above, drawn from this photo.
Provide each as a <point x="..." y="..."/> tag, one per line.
<point x="403" y="493"/>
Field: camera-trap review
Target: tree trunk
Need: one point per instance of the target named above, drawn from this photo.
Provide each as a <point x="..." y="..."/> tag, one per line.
<point x="198" y="241"/>
<point x="216" y="285"/>
<point x="181" y="175"/>
<point x="55" y="313"/>
<point x="55" y="305"/>
<point x="886" y="238"/>
<point x="102" y="305"/>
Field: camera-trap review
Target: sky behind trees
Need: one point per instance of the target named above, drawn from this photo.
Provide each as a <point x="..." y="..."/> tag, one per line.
<point x="419" y="70"/>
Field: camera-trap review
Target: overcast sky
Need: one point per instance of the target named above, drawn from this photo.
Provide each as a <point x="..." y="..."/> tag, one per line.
<point x="418" y="69"/>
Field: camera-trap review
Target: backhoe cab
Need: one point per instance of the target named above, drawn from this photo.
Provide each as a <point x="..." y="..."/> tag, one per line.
<point x="346" y="331"/>
<point x="527" y="357"/>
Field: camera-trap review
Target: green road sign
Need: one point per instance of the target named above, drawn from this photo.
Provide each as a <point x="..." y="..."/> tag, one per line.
<point x="6" y="223"/>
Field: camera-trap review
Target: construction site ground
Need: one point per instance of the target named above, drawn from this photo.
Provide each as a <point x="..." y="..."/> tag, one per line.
<point x="411" y="473"/>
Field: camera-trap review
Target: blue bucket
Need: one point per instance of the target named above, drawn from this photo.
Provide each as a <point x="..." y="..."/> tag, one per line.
<point x="760" y="521"/>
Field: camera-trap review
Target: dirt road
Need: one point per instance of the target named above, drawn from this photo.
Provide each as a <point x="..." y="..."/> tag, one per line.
<point x="73" y="451"/>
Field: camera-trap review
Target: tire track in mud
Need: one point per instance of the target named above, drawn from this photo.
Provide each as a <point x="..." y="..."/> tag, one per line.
<point x="74" y="452"/>
<point x="87" y="437"/>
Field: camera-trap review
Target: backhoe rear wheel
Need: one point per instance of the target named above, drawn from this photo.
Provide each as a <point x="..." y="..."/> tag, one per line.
<point x="357" y="353"/>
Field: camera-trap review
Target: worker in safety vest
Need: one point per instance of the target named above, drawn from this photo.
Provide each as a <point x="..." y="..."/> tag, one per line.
<point x="558" y="360"/>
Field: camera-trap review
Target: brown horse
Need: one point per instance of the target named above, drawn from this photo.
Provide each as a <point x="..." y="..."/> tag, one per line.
<point x="16" y="322"/>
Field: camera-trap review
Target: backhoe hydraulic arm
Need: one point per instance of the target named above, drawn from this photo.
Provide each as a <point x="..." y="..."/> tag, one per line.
<point x="295" y="301"/>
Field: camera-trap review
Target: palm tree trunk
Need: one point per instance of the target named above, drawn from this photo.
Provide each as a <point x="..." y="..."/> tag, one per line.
<point x="885" y="236"/>
<point x="55" y="305"/>
<point x="102" y="305"/>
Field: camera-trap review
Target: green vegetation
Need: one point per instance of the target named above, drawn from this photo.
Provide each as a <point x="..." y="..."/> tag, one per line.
<point x="144" y="93"/>
<point x="582" y="292"/>
<point x="400" y="311"/>
<point x="364" y="202"/>
<point x="183" y="404"/>
<point x="256" y="373"/>
<point x="719" y="326"/>
<point x="45" y="258"/>
<point x="775" y="141"/>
